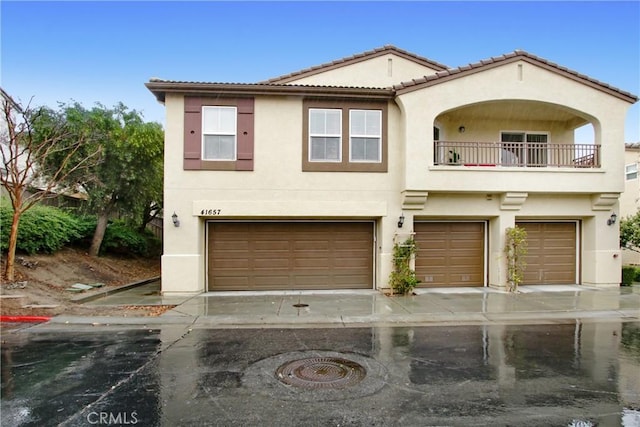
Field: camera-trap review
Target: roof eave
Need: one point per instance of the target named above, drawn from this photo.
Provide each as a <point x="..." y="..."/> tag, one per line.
<point x="161" y="88"/>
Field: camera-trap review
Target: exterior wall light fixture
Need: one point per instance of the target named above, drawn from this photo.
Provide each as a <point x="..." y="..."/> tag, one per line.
<point x="176" y="221"/>
<point x="461" y="129"/>
<point x="401" y="220"/>
<point x="612" y="219"/>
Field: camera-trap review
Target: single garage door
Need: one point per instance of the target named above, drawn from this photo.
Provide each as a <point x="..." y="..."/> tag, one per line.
<point x="450" y="253"/>
<point x="551" y="253"/>
<point x="290" y="255"/>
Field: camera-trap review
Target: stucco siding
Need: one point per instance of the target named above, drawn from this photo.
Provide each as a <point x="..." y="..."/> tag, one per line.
<point x="517" y="96"/>
<point x="376" y="72"/>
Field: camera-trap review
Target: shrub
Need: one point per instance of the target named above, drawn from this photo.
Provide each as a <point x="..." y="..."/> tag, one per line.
<point x="515" y="249"/>
<point x="41" y="229"/>
<point x="628" y="275"/>
<point x="120" y="238"/>
<point x="403" y="279"/>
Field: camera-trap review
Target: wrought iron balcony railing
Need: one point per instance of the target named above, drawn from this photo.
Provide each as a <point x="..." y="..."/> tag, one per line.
<point x="517" y="154"/>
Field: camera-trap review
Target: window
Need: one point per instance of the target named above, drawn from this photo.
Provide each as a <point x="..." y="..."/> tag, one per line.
<point x="344" y="136"/>
<point x="631" y="171"/>
<point x="365" y="135"/>
<point x="325" y="135"/>
<point x="524" y="149"/>
<point x="219" y="133"/>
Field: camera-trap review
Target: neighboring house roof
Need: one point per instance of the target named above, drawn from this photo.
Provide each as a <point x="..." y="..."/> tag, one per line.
<point x="277" y="86"/>
<point x="518" y="55"/>
<point x="354" y="59"/>
<point x="8" y="97"/>
<point x="632" y="146"/>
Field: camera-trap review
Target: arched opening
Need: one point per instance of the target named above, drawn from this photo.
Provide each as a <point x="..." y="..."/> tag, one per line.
<point x="516" y="133"/>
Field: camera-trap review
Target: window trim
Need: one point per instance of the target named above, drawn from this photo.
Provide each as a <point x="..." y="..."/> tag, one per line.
<point x="234" y="134"/>
<point x="193" y="139"/>
<point x="345" y="165"/>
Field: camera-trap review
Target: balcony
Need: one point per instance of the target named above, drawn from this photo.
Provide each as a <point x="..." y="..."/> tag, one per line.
<point x="516" y="154"/>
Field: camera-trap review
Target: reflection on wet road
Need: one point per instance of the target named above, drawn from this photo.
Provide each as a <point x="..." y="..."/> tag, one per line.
<point x="559" y="374"/>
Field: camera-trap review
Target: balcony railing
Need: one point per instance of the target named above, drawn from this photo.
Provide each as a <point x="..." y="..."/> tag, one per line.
<point x="517" y="154"/>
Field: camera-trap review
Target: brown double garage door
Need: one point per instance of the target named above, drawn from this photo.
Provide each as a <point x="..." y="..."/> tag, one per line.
<point x="289" y="255"/>
<point x="452" y="254"/>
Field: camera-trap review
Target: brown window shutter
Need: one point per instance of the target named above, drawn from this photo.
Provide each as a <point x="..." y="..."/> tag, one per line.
<point x="192" y="133"/>
<point x="245" y="135"/>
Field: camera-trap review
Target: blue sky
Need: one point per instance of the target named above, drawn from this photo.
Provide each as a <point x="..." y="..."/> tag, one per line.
<point x="105" y="51"/>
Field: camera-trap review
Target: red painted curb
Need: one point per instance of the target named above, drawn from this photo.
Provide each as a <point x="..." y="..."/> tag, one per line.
<point x="20" y="319"/>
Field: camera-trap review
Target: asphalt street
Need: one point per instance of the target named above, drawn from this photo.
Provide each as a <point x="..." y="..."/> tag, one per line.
<point x="565" y="373"/>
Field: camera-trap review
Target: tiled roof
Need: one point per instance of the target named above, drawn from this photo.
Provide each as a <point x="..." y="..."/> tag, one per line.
<point x="160" y="87"/>
<point x="357" y="58"/>
<point x="442" y="76"/>
<point x="279" y="85"/>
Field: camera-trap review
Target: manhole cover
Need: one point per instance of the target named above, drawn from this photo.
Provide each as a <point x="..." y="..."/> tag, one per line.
<point x="321" y="373"/>
<point x="316" y="376"/>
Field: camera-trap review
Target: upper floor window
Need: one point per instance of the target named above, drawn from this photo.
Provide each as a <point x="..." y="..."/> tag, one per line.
<point x="631" y="171"/>
<point x="325" y="135"/>
<point x="365" y="135"/>
<point x="219" y="133"/>
<point x="344" y="136"/>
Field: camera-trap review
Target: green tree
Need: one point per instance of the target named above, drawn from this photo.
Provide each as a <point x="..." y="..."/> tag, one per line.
<point x="630" y="232"/>
<point x="24" y="148"/>
<point x="127" y="180"/>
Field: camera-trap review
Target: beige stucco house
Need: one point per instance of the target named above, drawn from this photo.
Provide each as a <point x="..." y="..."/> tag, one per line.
<point x="306" y="181"/>
<point x="630" y="198"/>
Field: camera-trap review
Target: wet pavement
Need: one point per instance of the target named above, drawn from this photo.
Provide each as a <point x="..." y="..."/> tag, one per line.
<point x="569" y="372"/>
<point x="355" y="308"/>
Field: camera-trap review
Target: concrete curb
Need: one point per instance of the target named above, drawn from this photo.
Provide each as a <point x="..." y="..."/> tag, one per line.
<point x="24" y="319"/>
<point x="101" y="294"/>
<point x="247" y="321"/>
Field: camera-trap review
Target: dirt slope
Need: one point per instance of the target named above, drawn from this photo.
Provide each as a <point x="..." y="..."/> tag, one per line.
<point x="42" y="280"/>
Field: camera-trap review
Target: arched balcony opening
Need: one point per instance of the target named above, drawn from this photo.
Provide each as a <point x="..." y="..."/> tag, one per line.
<point x="515" y="133"/>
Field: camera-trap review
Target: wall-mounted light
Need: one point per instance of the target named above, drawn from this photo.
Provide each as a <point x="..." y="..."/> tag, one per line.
<point x="612" y="219"/>
<point x="461" y="129"/>
<point x="176" y="221"/>
<point x="401" y="220"/>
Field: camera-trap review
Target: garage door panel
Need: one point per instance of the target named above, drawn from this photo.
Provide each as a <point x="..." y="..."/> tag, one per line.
<point x="450" y="253"/>
<point x="552" y="253"/>
<point x="295" y="255"/>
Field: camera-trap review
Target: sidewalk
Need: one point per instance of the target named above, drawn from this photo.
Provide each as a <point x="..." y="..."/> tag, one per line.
<point x="533" y="304"/>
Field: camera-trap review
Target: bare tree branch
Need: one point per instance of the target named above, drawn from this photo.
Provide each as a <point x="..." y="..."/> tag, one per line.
<point x="23" y="155"/>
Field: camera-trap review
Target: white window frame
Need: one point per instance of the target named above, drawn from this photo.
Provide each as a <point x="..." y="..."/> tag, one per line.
<point x="325" y="135"/>
<point x="633" y="171"/>
<point x="365" y="136"/>
<point x="218" y="132"/>
<point x="525" y="161"/>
